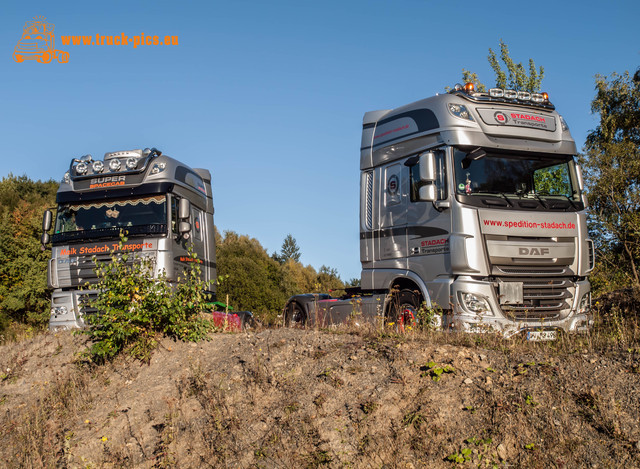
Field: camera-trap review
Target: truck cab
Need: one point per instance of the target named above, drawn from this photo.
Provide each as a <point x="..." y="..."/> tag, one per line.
<point x="473" y="202"/>
<point x="163" y="205"/>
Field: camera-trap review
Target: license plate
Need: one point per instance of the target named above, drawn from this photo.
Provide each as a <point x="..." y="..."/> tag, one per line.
<point x="538" y="336"/>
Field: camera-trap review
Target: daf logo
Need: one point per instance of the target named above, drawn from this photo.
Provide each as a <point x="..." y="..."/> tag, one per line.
<point x="107" y="179"/>
<point x="533" y="251"/>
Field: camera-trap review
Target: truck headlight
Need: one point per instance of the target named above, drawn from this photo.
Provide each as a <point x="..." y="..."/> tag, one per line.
<point x="474" y="303"/>
<point x="585" y="303"/>
<point x="59" y="311"/>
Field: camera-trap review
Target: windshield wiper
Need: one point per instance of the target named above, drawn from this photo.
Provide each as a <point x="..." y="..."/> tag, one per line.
<point x="501" y="194"/>
<point x="573" y="204"/>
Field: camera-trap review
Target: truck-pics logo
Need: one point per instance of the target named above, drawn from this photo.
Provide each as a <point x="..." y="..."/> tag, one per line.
<point x="38" y="43"/>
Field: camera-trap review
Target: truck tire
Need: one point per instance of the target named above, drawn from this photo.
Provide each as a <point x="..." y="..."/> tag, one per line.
<point x="45" y="58"/>
<point x="295" y="316"/>
<point x="403" y="312"/>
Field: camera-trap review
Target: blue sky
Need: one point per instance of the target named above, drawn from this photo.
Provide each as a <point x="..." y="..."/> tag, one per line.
<point x="269" y="96"/>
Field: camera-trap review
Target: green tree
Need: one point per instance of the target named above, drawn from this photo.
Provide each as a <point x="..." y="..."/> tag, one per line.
<point x="328" y="279"/>
<point x="254" y="281"/>
<point x="24" y="296"/>
<point x="290" y="249"/>
<point x="612" y="173"/>
<point x="514" y="77"/>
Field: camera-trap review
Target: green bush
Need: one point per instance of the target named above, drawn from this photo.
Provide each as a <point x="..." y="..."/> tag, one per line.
<point x="135" y="309"/>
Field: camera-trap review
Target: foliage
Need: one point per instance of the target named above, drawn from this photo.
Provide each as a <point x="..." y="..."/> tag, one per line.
<point x="612" y="173"/>
<point x="429" y="318"/>
<point x="260" y="283"/>
<point x="514" y="77"/>
<point x="24" y="296"/>
<point x="290" y="250"/>
<point x="255" y="279"/>
<point x="134" y="308"/>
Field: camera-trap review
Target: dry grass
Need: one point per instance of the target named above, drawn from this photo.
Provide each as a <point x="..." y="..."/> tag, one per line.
<point x="345" y="397"/>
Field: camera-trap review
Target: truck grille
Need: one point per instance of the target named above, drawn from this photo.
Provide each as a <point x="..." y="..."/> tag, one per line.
<point x="538" y="270"/>
<point x="543" y="298"/>
<point x="84" y="302"/>
<point x="83" y="272"/>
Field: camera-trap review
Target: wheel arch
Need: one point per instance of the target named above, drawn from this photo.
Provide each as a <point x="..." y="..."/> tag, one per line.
<point x="410" y="281"/>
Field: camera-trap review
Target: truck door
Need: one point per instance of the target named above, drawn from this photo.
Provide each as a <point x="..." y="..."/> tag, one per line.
<point x="198" y="236"/>
<point x="430" y="227"/>
<point x="391" y="233"/>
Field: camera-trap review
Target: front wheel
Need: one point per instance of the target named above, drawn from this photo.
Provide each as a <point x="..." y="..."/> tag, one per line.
<point x="295" y="316"/>
<point x="403" y="314"/>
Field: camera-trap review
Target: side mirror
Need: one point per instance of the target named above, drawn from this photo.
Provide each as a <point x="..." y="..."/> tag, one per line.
<point x="185" y="228"/>
<point x="427" y="193"/>
<point x="184" y="210"/>
<point x="427" y="165"/>
<point x="44" y="239"/>
<point x="47" y="217"/>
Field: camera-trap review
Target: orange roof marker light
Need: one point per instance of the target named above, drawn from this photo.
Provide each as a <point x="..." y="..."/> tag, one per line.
<point x="469" y="87"/>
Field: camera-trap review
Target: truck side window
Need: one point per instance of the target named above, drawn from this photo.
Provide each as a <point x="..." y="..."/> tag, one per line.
<point x="174" y="215"/>
<point x="441" y="178"/>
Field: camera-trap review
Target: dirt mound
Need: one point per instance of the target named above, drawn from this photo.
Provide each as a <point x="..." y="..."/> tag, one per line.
<point x="295" y="398"/>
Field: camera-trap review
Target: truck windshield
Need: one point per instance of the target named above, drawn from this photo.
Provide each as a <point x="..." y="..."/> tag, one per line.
<point x="105" y="219"/>
<point x="521" y="176"/>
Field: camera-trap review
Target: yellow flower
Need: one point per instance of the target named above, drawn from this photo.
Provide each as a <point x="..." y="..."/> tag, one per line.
<point x="104" y="438"/>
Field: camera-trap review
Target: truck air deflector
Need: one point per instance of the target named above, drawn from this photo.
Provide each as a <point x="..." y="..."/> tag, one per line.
<point x="402" y="125"/>
<point x="143" y="189"/>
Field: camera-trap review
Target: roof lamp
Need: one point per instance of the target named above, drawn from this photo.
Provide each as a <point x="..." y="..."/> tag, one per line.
<point x="510" y="94"/>
<point x="496" y="92"/>
<point x="81" y="168"/>
<point x="469" y="87"/>
<point x="114" y="164"/>
<point x="98" y="166"/>
<point x="131" y="163"/>
<point x="524" y="96"/>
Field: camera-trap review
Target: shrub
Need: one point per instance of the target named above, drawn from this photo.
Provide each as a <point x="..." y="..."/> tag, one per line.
<point x="135" y="309"/>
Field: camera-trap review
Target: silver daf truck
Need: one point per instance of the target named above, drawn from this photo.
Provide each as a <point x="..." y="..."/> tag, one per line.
<point x="161" y="203"/>
<point x="473" y="202"/>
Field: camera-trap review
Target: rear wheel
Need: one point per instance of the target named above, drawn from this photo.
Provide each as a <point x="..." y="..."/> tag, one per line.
<point x="295" y="316"/>
<point x="403" y="312"/>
